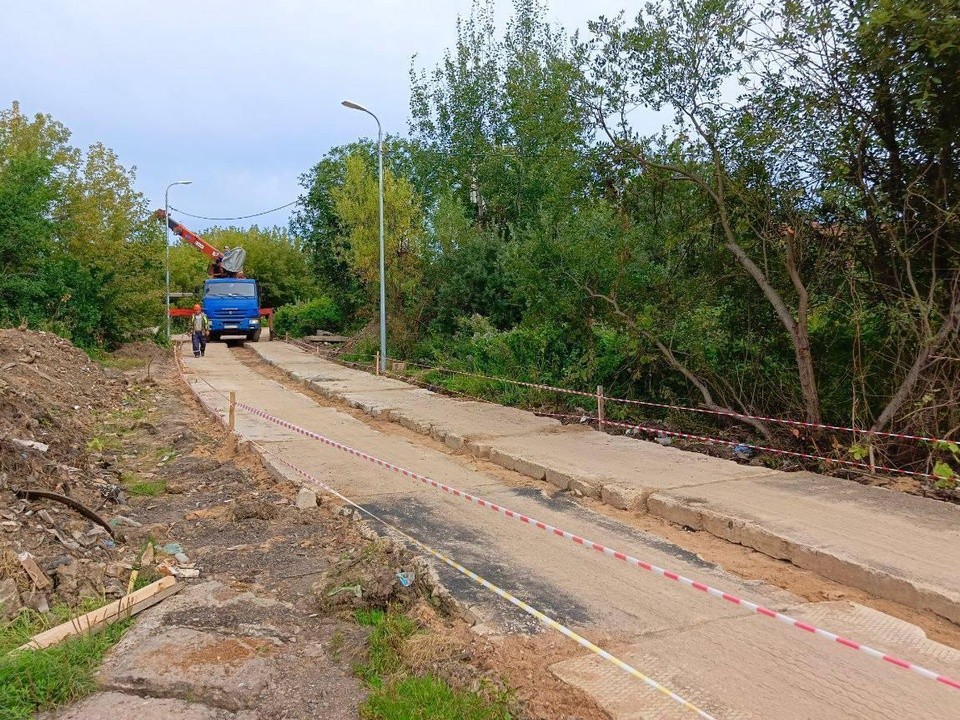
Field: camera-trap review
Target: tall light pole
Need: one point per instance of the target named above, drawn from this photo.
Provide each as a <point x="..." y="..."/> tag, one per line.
<point x="383" y="286"/>
<point x="166" y="223"/>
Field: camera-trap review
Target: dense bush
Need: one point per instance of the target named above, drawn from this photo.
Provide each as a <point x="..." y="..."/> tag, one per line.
<point x="307" y="318"/>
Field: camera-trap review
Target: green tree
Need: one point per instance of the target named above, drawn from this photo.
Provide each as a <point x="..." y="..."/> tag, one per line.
<point x="356" y="203"/>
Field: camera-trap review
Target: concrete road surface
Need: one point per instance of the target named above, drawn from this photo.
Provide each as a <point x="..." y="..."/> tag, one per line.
<point x="731" y="663"/>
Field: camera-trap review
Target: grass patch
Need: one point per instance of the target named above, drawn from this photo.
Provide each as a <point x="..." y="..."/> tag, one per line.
<point x="396" y="694"/>
<point x="166" y="454"/>
<point x="144" y="488"/>
<point x="108" y="360"/>
<point x="148" y="488"/>
<point x="36" y="680"/>
<point x="105" y="442"/>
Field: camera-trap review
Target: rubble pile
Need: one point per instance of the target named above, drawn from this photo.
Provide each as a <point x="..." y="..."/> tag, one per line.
<point x="51" y="398"/>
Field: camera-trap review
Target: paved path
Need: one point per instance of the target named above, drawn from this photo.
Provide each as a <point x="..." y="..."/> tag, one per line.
<point x="735" y="665"/>
<point x="893" y="545"/>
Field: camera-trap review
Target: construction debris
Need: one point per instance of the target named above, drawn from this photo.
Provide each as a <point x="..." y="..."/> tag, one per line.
<point x="40" y="581"/>
<point x="120" y="609"/>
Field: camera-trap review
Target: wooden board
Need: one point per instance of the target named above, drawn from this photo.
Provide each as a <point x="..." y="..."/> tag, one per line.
<point x="121" y="609"/>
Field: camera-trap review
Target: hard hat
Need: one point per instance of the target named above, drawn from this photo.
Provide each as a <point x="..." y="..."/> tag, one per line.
<point x="196" y="307"/>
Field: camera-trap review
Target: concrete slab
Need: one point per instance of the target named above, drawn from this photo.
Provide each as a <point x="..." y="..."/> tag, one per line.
<point x="888" y="543"/>
<point x="235" y="670"/>
<point x="731" y="668"/>
<point x="118" y="706"/>
<point x="579" y="458"/>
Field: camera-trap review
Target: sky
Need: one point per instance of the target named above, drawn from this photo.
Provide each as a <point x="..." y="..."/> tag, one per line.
<point x="239" y="96"/>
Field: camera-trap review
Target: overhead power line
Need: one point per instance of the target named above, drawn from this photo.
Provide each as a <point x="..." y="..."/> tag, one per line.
<point x="238" y="217"/>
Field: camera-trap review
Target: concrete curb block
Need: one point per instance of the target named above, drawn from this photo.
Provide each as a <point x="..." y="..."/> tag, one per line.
<point x="834" y="565"/>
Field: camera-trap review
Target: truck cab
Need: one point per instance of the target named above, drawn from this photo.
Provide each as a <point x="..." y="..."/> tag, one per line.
<point x="233" y="307"/>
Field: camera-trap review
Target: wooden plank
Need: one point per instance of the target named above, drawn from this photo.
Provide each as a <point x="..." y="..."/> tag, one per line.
<point x="121" y="609"/>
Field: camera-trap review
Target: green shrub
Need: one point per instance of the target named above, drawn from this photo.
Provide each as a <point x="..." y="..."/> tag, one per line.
<point x="301" y="319"/>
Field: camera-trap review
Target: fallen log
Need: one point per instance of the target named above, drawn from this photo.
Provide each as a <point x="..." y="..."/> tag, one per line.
<point x="69" y="502"/>
<point x="121" y="609"/>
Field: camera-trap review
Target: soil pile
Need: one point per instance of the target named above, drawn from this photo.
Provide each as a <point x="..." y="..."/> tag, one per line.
<point x="52" y="397"/>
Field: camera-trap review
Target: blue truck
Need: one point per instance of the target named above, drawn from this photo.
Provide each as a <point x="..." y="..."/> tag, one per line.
<point x="231" y="300"/>
<point x="233" y="306"/>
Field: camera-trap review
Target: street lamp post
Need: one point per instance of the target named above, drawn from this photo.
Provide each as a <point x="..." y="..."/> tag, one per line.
<point x="383" y="286"/>
<point x="166" y="222"/>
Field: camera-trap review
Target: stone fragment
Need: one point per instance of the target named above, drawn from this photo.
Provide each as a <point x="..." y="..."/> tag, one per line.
<point x="306" y="499"/>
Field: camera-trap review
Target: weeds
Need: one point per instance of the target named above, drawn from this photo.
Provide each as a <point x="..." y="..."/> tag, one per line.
<point x="397" y="694"/>
<point x="146" y="488"/>
<point x="36" y="680"/>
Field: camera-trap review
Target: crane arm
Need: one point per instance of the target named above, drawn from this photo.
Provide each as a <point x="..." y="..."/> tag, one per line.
<point x="189" y="237"/>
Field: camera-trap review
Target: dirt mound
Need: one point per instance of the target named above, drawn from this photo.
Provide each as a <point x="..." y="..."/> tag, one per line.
<point x="49" y="394"/>
<point x="51" y="397"/>
<point x="141" y="350"/>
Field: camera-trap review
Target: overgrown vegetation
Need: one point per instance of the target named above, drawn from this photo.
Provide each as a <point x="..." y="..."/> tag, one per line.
<point x="77" y="254"/>
<point x="396" y="694"/>
<point x="301" y="319"/>
<point x="747" y="207"/>
<point x="37" y="680"/>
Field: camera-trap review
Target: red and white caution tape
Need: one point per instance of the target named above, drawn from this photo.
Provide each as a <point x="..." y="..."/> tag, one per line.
<point x="629" y="559"/>
<point x="684" y="408"/>
<point x="734" y="443"/>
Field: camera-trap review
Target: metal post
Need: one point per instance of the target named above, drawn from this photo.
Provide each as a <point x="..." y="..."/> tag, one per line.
<point x="233" y="410"/>
<point x="383" y="284"/>
<point x="600" y="405"/>
<point x="382" y="364"/>
<point x="166" y="223"/>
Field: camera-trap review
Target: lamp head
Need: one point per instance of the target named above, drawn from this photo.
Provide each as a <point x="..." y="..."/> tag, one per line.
<point x="354" y="106"/>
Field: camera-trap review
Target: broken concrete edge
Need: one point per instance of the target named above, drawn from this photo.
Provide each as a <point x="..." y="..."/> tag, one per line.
<point x="426" y="571"/>
<point x="121" y="609"/>
<point x="831" y="564"/>
<point x="878" y="581"/>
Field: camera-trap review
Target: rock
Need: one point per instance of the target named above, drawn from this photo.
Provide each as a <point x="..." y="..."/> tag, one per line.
<point x="181" y="558"/>
<point x="147" y="558"/>
<point x="35" y="600"/>
<point x="57" y="562"/>
<point x="66" y="576"/>
<point x="254" y="510"/>
<point x="9" y="598"/>
<point x="32" y="444"/>
<point x="172" y="548"/>
<point x="176" y="487"/>
<point x="121" y="520"/>
<point x="306" y="499"/>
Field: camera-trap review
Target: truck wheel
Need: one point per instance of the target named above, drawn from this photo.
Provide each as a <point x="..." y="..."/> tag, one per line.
<point x="254" y="336"/>
<point x="214" y="336"/>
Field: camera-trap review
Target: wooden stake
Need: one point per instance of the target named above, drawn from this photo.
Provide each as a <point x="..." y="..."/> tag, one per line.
<point x="133" y="581"/>
<point x="233" y="410"/>
<point x="378" y="362"/>
<point x="600" y="406"/>
<point x="118" y="610"/>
